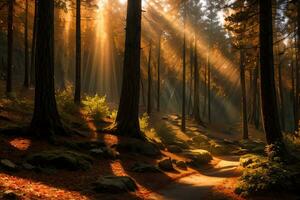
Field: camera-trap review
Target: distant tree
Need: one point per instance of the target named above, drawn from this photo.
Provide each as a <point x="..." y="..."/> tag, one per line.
<point x="127" y="122"/>
<point x="149" y="102"/>
<point x="33" y="45"/>
<point x="9" y="46"/>
<point x="77" y="95"/>
<point x="183" y="115"/>
<point x="46" y="120"/>
<point x="26" y="73"/>
<point x="196" y="109"/>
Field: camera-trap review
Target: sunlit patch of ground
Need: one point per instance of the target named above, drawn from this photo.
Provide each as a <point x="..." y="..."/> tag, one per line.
<point x="20" y="143"/>
<point x="30" y="189"/>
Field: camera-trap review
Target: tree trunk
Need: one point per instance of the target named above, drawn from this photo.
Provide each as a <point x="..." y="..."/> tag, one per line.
<point x="149" y="99"/>
<point x="268" y="92"/>
<point x="281" y="95"/>
<point x="244" y="98"/>
<point x="298" y="67"/>
<point x="196" y="109"/>
<point x="9" y="46"/>
<point x="33" y="45"/>
<point x="255" y="96"/>
<point x="26" y="73"/>
<point x="46" y="121"/>
<point x="158" y="73"/>
<point x="77" y="95"/>
<point x="183" y="122"/>
<point x="190" y="103"/>
<point x="127" y="122"/>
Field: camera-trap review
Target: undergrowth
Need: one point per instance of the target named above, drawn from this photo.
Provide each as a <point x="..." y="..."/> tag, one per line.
<point x="265" y="174"/>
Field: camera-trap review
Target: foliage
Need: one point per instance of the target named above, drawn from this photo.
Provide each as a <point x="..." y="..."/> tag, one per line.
<point x="96" y="107"/>
<point x="22" y="105"/>
<point x="261" y="175"/>
<point x="113" y="115"/>
<point x="65" y="101"/>
<point x="292" y="141"/>
<point x="144" y="122"/>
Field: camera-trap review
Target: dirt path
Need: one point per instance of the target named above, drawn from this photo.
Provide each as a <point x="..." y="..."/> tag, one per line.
<point x="216" y="183"/>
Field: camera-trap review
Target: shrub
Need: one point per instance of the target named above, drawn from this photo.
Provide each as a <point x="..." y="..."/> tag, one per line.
<point x="262" y="175"/>
<point x="65" y="100"/>
<point x="96" y="107"/>
<point x="144" y="122"/>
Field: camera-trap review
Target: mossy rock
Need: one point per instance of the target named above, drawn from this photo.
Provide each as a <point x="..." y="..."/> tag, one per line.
<point x="181" y="165"/>
<point x="166" y="165"/>
<point x="115" y="184"/>
<point x="105" y="152"/>
<point x="59" y="159"/>
<point x="8" y="165"/>
<point x="86" y="145"/>
<point x="174" y="149"/>
<point x="199" y="139"/>
<point x="181" y="144"/>
<point x="198" y="156"/>
<point x="141" y="167"/>
<point x="139" y="147"/>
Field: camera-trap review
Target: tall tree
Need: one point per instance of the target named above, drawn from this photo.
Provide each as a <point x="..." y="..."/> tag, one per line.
<point x="183" y="117"/>
<point x="158" y="71"/>
<point x="196" y="109"/>
<point x="127" y="122"/>
<point x="244" y="98"/>
<point x="26" y="73"/>
<point x="149" y="106"/>
<point x="46" y="120"/>
<point x="33" y="45"/>
<point x="268" y="92"/>
<point x="9" y="46"/>
<point x="77" y="95"/>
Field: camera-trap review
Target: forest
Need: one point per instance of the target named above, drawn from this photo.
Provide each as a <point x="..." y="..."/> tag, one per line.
<point x="149" y="99"/>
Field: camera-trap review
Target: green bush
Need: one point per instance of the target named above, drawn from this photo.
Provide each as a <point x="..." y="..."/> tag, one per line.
<point x="262" y="175"/>
<point x="65" y="100"/>
<point x="96" y="107"/>
<point x="144" y="122"/>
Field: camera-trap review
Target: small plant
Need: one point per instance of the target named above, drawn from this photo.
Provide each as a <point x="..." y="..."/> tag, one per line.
<point x="96" y="107"/>
<point x="113" y="115"/>
<point x="65" y="100"/>
<point x="144" y="122"/>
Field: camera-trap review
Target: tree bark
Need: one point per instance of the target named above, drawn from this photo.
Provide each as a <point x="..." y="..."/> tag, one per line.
<point x="33" y="46"/>
<point x="77" y="95"/>
<point x="281" y="95"/>
<point x="158" y="72"/>
<point x="149" y="99"/>
<point x="9" y="46"/>
<point x="183" y="120"/>
<point x="196" y="109"/>
<point x="46" y="120"/>
<point x="244" y="98"/>
<point x="127" y="122"/>
<point x="26" y="72"/>
<point x="268" y="91"/>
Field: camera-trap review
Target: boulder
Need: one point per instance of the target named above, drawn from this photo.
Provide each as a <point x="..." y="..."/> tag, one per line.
<point x="138" y="146"/>
<point x="115" y="184"/>
<point x="141" y="167"/>
<point x="200" y="139"/>
<point x="166" y="165"/>
<point x="181" y="165"/>
<point x="60" y="159"/>
<point x="8" y="165"/>
<point x="9" y="195"/>
<point x="105" y="152"/>
<point x="28" y="166"/>
<point x="174" y="149"/>
<point x="198" y="156"/>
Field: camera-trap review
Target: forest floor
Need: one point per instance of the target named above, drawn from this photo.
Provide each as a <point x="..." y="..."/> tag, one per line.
<point x="214" y="180"/>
